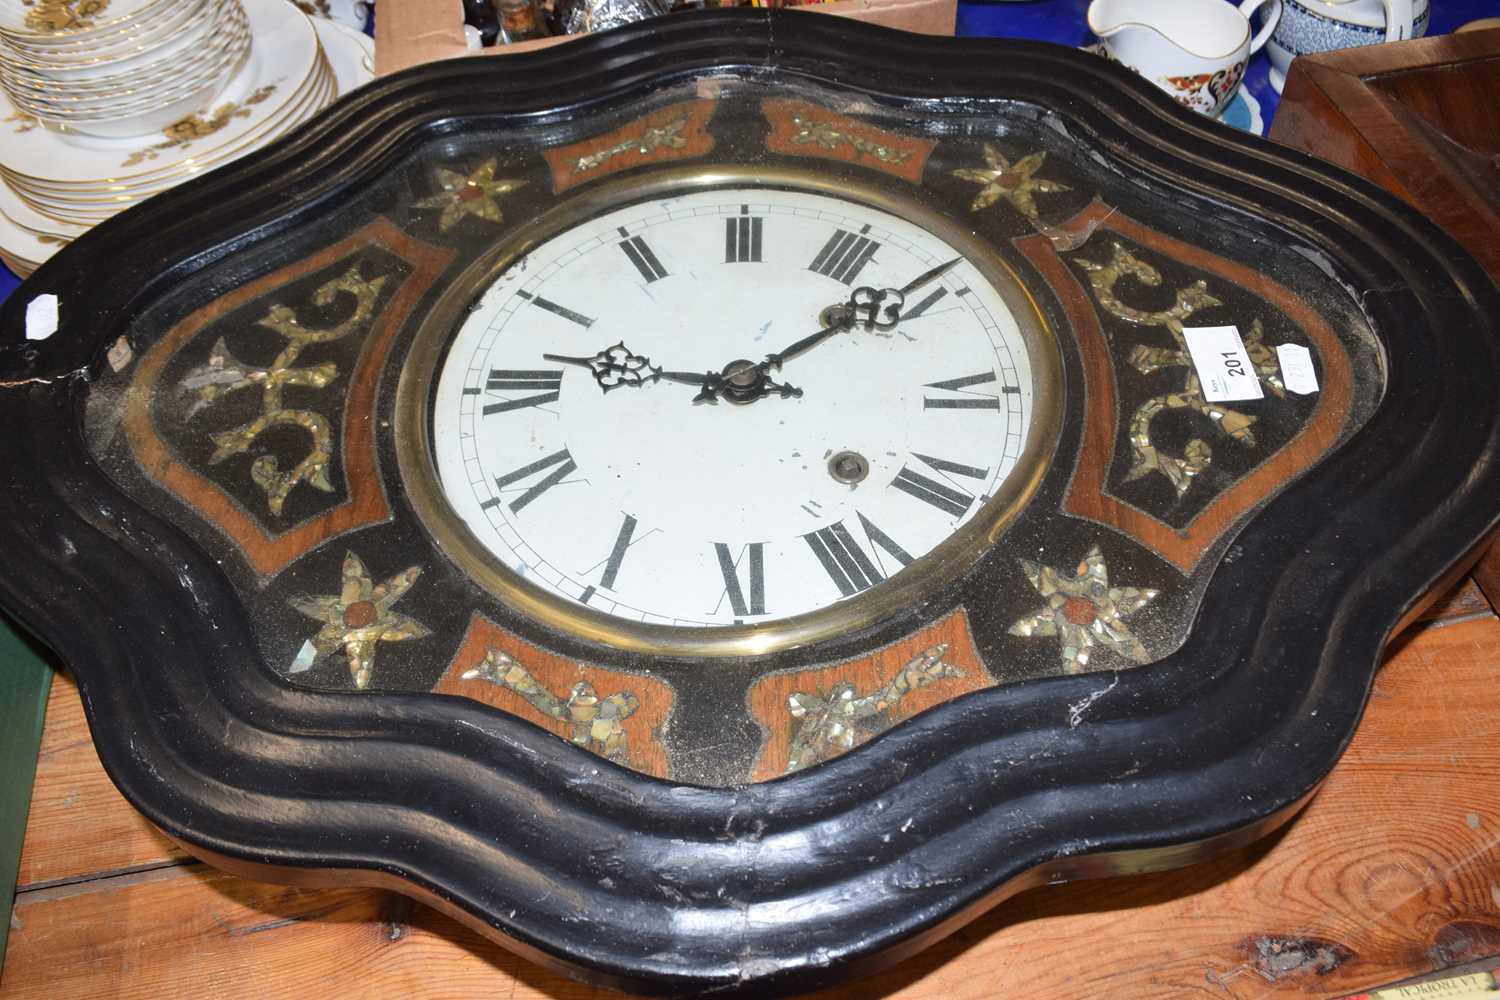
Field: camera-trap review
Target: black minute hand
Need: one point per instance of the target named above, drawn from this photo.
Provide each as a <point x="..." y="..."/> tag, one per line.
<point x="864" y="301"/>
<point x="926" y="276"/>
<point x="844" y="322"/>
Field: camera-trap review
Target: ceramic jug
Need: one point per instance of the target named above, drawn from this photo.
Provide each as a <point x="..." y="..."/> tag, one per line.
<point x="1322" y="25"/>
<point x="1195" y="50"/>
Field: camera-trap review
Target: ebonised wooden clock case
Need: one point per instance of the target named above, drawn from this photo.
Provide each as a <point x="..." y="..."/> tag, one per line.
<point x="295" y="663"/>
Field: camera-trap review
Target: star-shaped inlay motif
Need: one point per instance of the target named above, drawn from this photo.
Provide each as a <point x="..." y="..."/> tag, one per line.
<point x="476" y="194"/>
<point x="1084" y="611"/>
<point x="1016" y="183"/>
<point x="359" y="617"/>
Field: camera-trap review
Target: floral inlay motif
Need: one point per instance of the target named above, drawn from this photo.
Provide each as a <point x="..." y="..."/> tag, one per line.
<point x="827" y="725"/>
<point x="1197" y="454"/>
<point x="62" y="15"/>
<point x="358" y="618"/>
<point x="597" y="723"/>
<point x="223" y="374"/>
<point x="477" y="193"/>
<point x="649" y="141"/>
<point x="1084" y="611"/>
<point x="186" y="131"/>
<point x="827" y="136"/>
<point x="1016" y="183"/>
<point x="24" y="122"/>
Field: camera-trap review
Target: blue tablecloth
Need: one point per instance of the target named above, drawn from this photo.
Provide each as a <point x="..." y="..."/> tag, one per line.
<point x="1062" y="21"/>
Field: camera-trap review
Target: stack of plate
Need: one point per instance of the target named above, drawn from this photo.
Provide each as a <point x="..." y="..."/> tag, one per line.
<point x="55" y="184"/>
<point x="152" y="64"/>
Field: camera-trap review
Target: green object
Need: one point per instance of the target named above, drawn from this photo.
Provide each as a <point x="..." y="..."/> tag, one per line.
<point x="24" y="679"/>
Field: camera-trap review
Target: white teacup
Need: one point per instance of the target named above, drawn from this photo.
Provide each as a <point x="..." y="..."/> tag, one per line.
<point x="1195" y="50"/>
<point x="1323" y="25"/>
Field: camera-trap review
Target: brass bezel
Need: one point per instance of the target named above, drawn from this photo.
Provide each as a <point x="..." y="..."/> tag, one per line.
<point x="941" y="566"/>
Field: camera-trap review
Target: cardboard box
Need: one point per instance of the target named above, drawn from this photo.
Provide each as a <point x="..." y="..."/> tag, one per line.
<point x="410" y="32"/>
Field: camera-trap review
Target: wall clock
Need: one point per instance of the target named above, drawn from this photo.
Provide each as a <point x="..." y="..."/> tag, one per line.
<point x="717" y="504"/>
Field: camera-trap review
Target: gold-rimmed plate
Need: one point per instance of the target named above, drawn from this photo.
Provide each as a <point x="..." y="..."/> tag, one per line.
<point x="284" y="59"/>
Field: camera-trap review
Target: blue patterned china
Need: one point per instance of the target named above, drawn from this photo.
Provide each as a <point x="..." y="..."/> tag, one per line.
<point x="1323" y="25"/>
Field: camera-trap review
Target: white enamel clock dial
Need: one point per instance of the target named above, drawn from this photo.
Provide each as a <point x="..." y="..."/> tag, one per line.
<point x="647" y="506"/>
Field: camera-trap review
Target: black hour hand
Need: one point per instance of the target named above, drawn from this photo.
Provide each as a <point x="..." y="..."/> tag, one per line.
<point x="616" y="366"/>
<point x="739" y="382"/>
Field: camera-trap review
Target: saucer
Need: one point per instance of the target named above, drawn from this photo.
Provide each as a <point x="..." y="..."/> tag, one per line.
<point x="1243" y="112"/>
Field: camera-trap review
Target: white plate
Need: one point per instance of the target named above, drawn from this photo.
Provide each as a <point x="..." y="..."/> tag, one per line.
<point x="27" y="218"/>
<point x="20" y="268"/>
<point x="28" y="237"/>
<point x="94" y="208"/>
<point x="92" y="205"/>
<point x="118" y="15"/>
<point x="187" y="52"/>
<point x="350" y="53"/>
<point x="126" y="51"/>
<point x="207" y="75"/>
<point x="102" y="41"/>
<point x="284" y="56"/>
<point x="23" y="252"/>
<point x="173" y="158"/>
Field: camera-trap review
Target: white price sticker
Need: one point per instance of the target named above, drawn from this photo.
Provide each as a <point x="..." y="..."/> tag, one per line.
<point x="1297" y="369"/>
<point x="41" y="317"/>
<point x="1224" y="369"/>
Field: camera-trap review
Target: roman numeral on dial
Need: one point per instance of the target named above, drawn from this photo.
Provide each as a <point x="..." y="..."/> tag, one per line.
<point x="616" y="558"/>
<point x="943" y="495"/>
<point x="557" y="310"/>
<point x="617" y="554"/>
<point x="509" y="380"/>
<point x="844" y="256"/>
<point x="752" y="558"/>
<point x="965" y="400"/>
<point x="846" y="563"/>
<point x="641" y="256"/>
<point x="932" y="299"/>
<point x="560" y="462"/>
<point x="843" y="560"/>
<point x="742" y="238"/>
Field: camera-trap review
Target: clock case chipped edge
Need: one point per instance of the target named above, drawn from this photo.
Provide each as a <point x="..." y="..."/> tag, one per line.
<point x="839" y="870"/>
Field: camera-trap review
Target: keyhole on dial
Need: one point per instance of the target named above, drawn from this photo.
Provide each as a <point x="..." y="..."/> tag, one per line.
<point x="848" y="467"/>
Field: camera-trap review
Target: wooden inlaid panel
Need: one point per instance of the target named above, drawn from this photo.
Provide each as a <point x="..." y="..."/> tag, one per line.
<point x="675" y="132"/>
<point x="800" y="128"/>
<point x="814" y="715"/>
<point x="1086" y="238"/>
<point x="620" y="716"/>
<point x="340" y="423"/>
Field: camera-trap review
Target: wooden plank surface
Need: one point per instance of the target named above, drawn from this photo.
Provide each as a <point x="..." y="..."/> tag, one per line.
<point x="80" y="827"/>
<point x="1393" y="870"/>
<point x="25" y="678"/>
